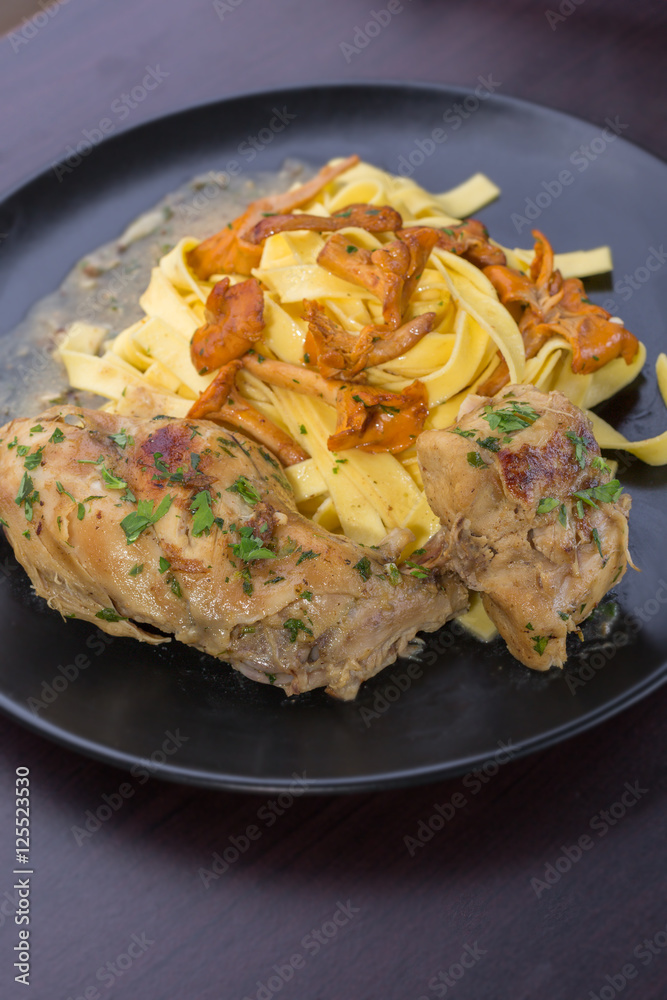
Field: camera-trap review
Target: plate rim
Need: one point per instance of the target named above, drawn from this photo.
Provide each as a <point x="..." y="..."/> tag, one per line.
<point x="419" y="775"/>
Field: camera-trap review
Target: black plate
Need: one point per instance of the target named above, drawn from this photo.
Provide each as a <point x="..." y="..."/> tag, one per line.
<point x="120" y="702"/>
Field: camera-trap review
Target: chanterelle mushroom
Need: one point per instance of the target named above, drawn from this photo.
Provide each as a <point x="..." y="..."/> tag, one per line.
<point x="544" y="304"/>
<point x="223" y="403"/>
<point x="339" y="354"/>
<point x="235" y="320"/>
<point x="229" y="250"/>
<point x="381" y="219"/>
<point x="391" y="272"/>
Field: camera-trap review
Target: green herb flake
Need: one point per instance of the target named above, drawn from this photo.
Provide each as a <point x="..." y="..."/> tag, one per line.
<point x="600" y="464"/>
<point x="596" y="538"/>
<point x="393" y="574"/>
<point x="563" y="616"/>
<point x="307" y="555"/>
<point x="363" y="568"/>
<point x="462" y="433"/>
<point x="245" y="489"/>
<point x="12" y="444"/>
<point x="294" y="626"/>
<point x="490" y="443"/>
<point x="202" y="513"/>
<point x="271" y="678"/>
<point x="562" y="515"/>
<point x="302" y="429"/>
<point x="515" y="417"/>
<point x="476" y="460"/>
<point x="540" y="643"/>
<point x="307" y="595"/>
<point x="546" y="505"/>
<point x="175" y="586"/>
<point x="618" y="573"/>
<point x="36" y="429"/>
<point x="164" y="564"/>
<point x="136" y="569"/>
<point x="606" y="493"/>
<point x="112" y="481"/>
<point x="580" y="448"/>
<point x="417" y="571"/>
<point x="109" y="615"/>
<point x="529" y="627"/>
<point x="135" y="523"/>
<point x="57" y="437"/>
<point x="122" y="439"/>
<point x="34" y="460"/>
<point x="250" y="547"/>
<point x="351" y="249"/>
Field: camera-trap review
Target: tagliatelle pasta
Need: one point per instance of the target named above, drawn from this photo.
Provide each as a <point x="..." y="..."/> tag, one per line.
<point x="148" y="367"/>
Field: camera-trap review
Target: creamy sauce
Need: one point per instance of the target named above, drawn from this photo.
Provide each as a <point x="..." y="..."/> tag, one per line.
<point x="104" y="288"/>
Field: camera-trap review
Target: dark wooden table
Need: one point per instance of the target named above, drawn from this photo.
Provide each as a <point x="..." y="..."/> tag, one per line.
<point x="529" y="891"/>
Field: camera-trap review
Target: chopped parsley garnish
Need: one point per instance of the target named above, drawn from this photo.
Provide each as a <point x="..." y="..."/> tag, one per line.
<point x="294" y="626"/>
<point x="23" y="450"/>
<point x="163" y="471"/>
<point x="600" y="464"/>
<point x="135" y="523"/>
<point x="393" y="574"/>
<point x="136" y="569"/>
<point x="547" y="504"/>
<point x="12" y="444"/>
<point x="490" y="443"/>
<point x="607" y="493"/>
<point x="195" y="432"/>
<point x="175" y="586"/>
<point x="363" y="568"/>
<point x="250" y="547"/>
<point x="515" y="417"/>
<point x="529" y="627"/>
<point x="476" y="460"/>
<point x="61" y="489"/>
<point x="462" y="433"/>
<point x="57" y="437"/>
<point x="25" y="489"/>
<point x="580" y="448"/>
<point x="36" y="429"/>
<point x="32" y="461"/>
<point x="389" y="409"/>
<point x="618" y="573"/>
<point x="596" y="539"/>
<point x="113" y="482"/>
<point x="195" y="459"/>
<point x="561" y="614"/>
<point x="271" y="678"/>
<point x="351" y="249"/>
<point x="122" y="439"/>
<point x="109" y="615"/>
<point x="540" y="643"/>
<point x="203" y="517"/>
<point x="562" y="515"/>
<point x="245" y="489"/>
<point x="164" y="564"/>
<point x="307" y="555"/>
<point x="302" y="429"/>
<point x="307" y="595"/>
<point x="417" y="570"/>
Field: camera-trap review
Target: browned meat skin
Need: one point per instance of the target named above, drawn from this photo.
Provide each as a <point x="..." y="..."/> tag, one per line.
<point x="317" y="611"/>
<point x="538" y="578"/>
